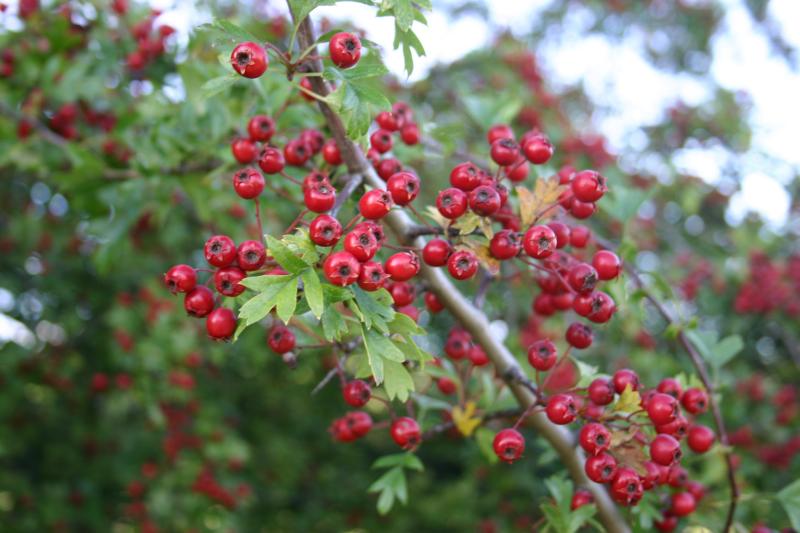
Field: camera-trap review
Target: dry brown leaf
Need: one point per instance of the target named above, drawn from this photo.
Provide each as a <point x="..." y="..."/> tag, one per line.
<point x="532" y="204"/>
<point x="632" y="454"/>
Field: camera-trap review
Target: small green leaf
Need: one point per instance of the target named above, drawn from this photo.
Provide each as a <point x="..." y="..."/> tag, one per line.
<point x="284" y="256"/>
<point x="286" y="300"/>
<point x="484" y="437"/>
<point x="260" y="283"/>
<point x="397" y="381"/>
<point x="333" y="325"/>
<point x="407" y="460"/>
<point x="215" y="86"/>
<point x="312" y="290"/>
<point x="382" y="346"/>
<point x="789" y="498"/>
<point x="375" y="307"/>
<point x="261" y="304"/>
<point x="404" y="325"/>
<point x="374" y="359"/>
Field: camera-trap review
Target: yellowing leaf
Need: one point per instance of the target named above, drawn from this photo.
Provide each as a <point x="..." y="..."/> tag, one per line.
<point x="532" y="204"/>
<point x="621" y="436"/>
<point x="434" y="214"/>
<point x="486" y="228"/>
<point x="465" y="419"/>
<point x="467" y="223"/>
<point x="629" y="401"/>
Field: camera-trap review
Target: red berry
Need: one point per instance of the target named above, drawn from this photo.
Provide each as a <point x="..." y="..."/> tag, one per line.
<point x="180" y="278"/>
<point x="537" y="149"/>
<point x="462" y="264"/>
<point x="357" y="393"/>
<point x="588" y="186"/>
<point x="314" y="179"/>
<point x="199" y="301"/>
<point x="457" y="345"/>
<point x="600" y="468"/>
<point x="325" y="230"/>
<point x="244" y="151"/>
<point x="668" y="523"/>
<point x="381" y="140"/>
<point x="386" y="121"/>
<point x="518" y="171"/>
<point x="220" y="251"/>
<point x="465" y="176"/>
<point x="607" y="264"/>
<point x="452" y="203"/>
<point x="601" y="307"/>
<point x="582" y="278"/>
<point x="341" y="268"/>
<point x="700" y="438"/>
<point x="261" y="128"/>
<point x="582" y="210"/>
<point x="402" y="293"/>
<point x="371" y="277"/>
<point x="504" y="151"/>
<point x="281" y="339"/>
<point x="375" y="204"/>
<point x="542" y="355"/>
<point x="670" y="386"/>
<point x="296" y="152"/>
<point x="405" y="432"/>
<point x="320" y="198"/>
<point x="580" y="498"/>
<point x="409" y="134"/>
<point x="388" y="168"/>
<point x="331" y="153"/>
<point x="695" y="401"/>
<point x="484" y="200"/>
<point x="677" y="428"/>
<point x="227" y="280"/>
<point x="623" y="378"/>
<point x="594" y="438"/>
<point x="313" y="139"/>
<point x="402" y="266"/>
<point x="432" y="302"/>
<point x="505" y="244"/>
<point x="579" y="335"/>
<point x="561" y="409"/>
<point x="601" y="391"/>
<point x="446" y="386"/>
<point x="626" y="487"/>
<point x="509" y="445"/>
<point x="652" y="474"/>
<point x="358" y="422"/>
<point x="248" y="183"/>
<point x="374" y="227"/>
<point x="677" y="476"/>
<point x="271" y="160"/>
<point x="562" y="233"/>
<point x="683" y="504"/>
<point x="249" y="60"/>
<point x="579" y="236"/>
<point x="251" y="255"/>
<point x="344" y="49"/>
<point x="436" y="252"/>
<point x="539" y="242"/>
<point x="477" y="356"/>
<point x="221" y="323"/>
<point x="361" y="242"/>
<point x="499" y="131"/>
<point x="696" y="489"/>
<point x="404" y="187"/>
<point x="665" y="450"/>
<point x="662" y="408"/>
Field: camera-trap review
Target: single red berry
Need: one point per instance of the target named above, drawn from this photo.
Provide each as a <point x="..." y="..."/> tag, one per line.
<point x="372" y="276"/>
<point x="249" y="60"/>
<point x="652" y="474"/>
<point x="579" y="236"/>
<point x="670" y="386"/>
<point x="542" y="355"/>
<point x="331" y="153"/>
<point x="344" y="49"/>
<point x="683" y="504"/>
<point x="452" y="203"/>
<point x="600" y="468"/>
<point x="432" y="302"/>
<point x="436" y="252"/>
<point x="518" y="171"/>
<point x="562" y="233"/>
<point x="588" y="186"/>
<point x="341" y="268"/>
<point x="696" y="489"/>
<point x="296" y="152"/>
<point x="227" y="279"/>
<point x="375" y="204"/>
<point x="325" y="230"/>
<point x="244" y="151"/>
<point x="505" y="244"/>
<point x="601" y="308"/>
<point x="623" y="378"/>
<point x="662" y="408"/>
<point x="582" y="278"/>
<point x="607" y="264"/>
<point x="477" y="356"/>
<point x="561" y="409"/>
<point x="402" y="113"/>
<point x="601" y="391"/>
<point x="465" y="176"/>
<point x="695" y="401"/>
<point x="484" y="200"/>
<point x="700" y="438"/>
<point x="402" y="266"/>
<point x="665" y="450"/>
<point x="677" y="476"/>
<point x="180" y="278"/>
<point x="404" y="187"/>
<point x="669" y="523"/>
<point x="388" y="167"/>
<point x="358" y="422"/>
<point x="504" y="151"/>
<point x="305" y="83"/>
<point x="271" y="160"/>
<point x="381" y="140"/>
<point x="626" y="487"/>
<point x="281" y="339"/>
<point x="361" y="242"/>
<point x="580" y="498"/>
<point x="251" y="255"/>
<point x="221" y="323"/>
<point x="677" y="428"/>
<point x="579" y="335"/>
<point x="403" y="293"/>
<point x="462" y="265"/>
<point x="405" y="432"/>
<point x="199" y="301"/>
<point x="539" y="242"/>
<point x="446" y="386"/>
<point x="386" y="121"/>
<point x="314" y="179"/>
<point x="499" y="131"/>
<point x="594" y="438"/>
<point x="409" y="134"/>
<point x="537" y="149"/>
<point x="313" y="139"/>
<point x="582" y="210"/>
<point x="410" y="311"/>
<point x="220" y="251"/>
<point x="261" y="128"/>
<point x="357" y="393"/>
<point x="458" y="344"/>
<point x="320" y="198"/>
<point x="248" y="183"/>
<point x="543" y="305"/>
<point x="509" y="445"/>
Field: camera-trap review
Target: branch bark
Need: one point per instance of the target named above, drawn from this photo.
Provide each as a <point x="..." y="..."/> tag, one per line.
<point x="471" y="318"/>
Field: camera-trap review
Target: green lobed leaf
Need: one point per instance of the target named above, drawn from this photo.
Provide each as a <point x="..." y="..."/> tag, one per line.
<point x="215" y="86"/>
<point x="284" y="256"/>
<point x="333" y="325"/>
<point x="312" y="291"/>
<point x="789" y="498"/>
<point x="373" y="358"/>
<point x="397" y="381"/>
<point x="383" y="346"/>
<point x="286" y="300"/>
<point x="260" y="305"/>
<point x="375" y="308"/>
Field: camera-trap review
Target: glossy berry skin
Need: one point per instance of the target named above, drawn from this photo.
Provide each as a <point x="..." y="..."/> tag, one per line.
<point x="695" y="401"/>
<point x="402" y="293"/>
<point x="319" y="198"/>
<point x="542" y="355"/>
<point x="451" y="203"/>
<point x="404" y="187"/>
<point x="220" y="251"/>
<point x="607" y="264"/>
<point x="601" y="391"/>
<point x="665" y="450"/>
<point x="341" y="268"/>
<point x="484" y="200"/>
<point x="446" y="386"/>
<point x="313" y="138"/>
<point x="344" y="49"/>
<point x="669" y="523"/>
<point x="462" y="264"/>
<point x="220" y="323"/>
<point x="477" y="356"/>
<point x="457" y="345"/>
<point x="683" y="504"/>
<point x="296" y="152"/>
<point x="594" y="438"/>
<point x="409" y="134"/>
<point x="588" y="186"/>
<point x="249" y="59"/>
<point x="518" y="171"/>
<point x="281" y="339"/>
<point x="199" y="301"/>
<point x="372" y="277"/>
<point x="580" y="498"/>
<point x="248" y="183"/>
<point x="579" y="335"/>
<point x="244" y="151"/>
<point x="579" y="237"/>
<point x="537" y="149"/>
<point x="250" y="255"/>
<point x="375" y="204"/>
<point x="662" y="408"/>
<point x="357" y="393"/>
<point x="600" y="468"/>
<point x="385" y="120"/>
<point x="582" y="210"/>
<point x="504" y="152"/>
<point x="271" y="160"/>
<point x="180" y="278"/>
<point x="381" y="140"/>
<point x="436" y="252"/>
<point x="582" y="278"/>
<point x="623" y="378"/>
<point x="670" y="386"/>
<point x="499" y="131"/>
<point x="432" y="303"/>
<point x="331" y="153"/>
<point x="539" y="242"/>
<point x="561" y="409"/>
<point x="405" y="432"/>
<point x="373" y="227"/>
<point x="361" y="242"/>
<point x="314" y="179"/>
<point x="325" y="230"/>
<point x="388" y="167"/>
<point x="465" y="176"/>
<point x="700" y="438"/>
<point x="505" y="244"/>
<point x="626" y="487"/>
<point x="562" y="232"/>
<point x="402" y="266"/>
<point x="261" y="128"/>
<point x="227" y="279"/>
<point x="601" y="307"/>
<point x="677" y="428"/>
<point x="509" y="445"/>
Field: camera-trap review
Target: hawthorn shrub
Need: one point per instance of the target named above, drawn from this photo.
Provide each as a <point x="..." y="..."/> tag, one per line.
<point x="261" y="285"/>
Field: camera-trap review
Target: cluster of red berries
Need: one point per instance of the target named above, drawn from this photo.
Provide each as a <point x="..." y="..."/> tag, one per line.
<point x="770" y="286"/>
<point x="150" y="40"/>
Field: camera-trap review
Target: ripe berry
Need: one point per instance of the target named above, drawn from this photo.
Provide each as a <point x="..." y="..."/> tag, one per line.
<point x="458" y="344"/>
<point x="509" y="445"/>
<point x="325" y="230"/>
<point x="249" y="60"/>
<point x="248" y="183"/>
<point x="562" y="233"/>
<point x="446" y="386"/>
<point x="579" y="236"/>
<point x="220" y="251"/>
<point x="579" y="335"/>
<point x="341" y="268"/>
<point x="388" y="168"/>
<point x="227" y="279"/>
<point x="410" y="134"/>
<point x="505" y="244"/>
<point x="696" y="489"/>
<point x="381" y="140"/>
<point x="582" y="210"/>
<point x="281" y="339"/>
<point x="375" y="204"/>
<point x="588" y="186"/>
<point x="542" y="355"/>
<point x="561" y="409"/>
<point x="677" y="428"/>
<point x="601" y="391"/>
<point x="220" y="323"/>
<point x="695" y="401"/>
<point x="305" y="83"/>
<point x="296" y="152"/>
<point x="465" y="176"/>
<point x="499" y="131"/>
<point x="580" y="498"/>
<point x="432" y="302"/>
<point x="345" y="49"/>
<point x="436" y="252"/>
<point x="594" y="438"/>
<point x="518" y="171"/>
<point x="313" y="138"/>
<point x="607" y="264"/>
<point x="484" y="200"/>
<point x="670" y="386"/>
<point x="452" y="203"/>
<point x="623" y="378"/>
<point x="582" y="278"/>
<point x="683" y="504"/>
<point x="539" y="242"/>
<point x="358" y="422"/>
<point x="462" y="264"/>
<point x="600" y="468"/>
<point x="601" y="307"/>
<point x="402" y="266"/>
<point x="477" y="356"/>
<point x="662" y="408"/>
<point x="271" y="160"/>
<point x="669" y="522"/>
<point x="405" y="432"/>
<point x="319" y="198"/>
<point x="180" y="278"/>
<point x="199" y="301"/>
<point x="665" y="450"/>
<point x="361" y="242"/>
<point x="374" y="227"/>
<point x="357" y="393"/>
<point x="314" y="179"/>
<point x="404" y="187"/>
<point x="261" y="128"/>
<point x="504" y="152"/>
<point x="385" y="120"/>
<point x="403" y="293"/>
<point x="626" y="487"/>
<point x="410" y="311"/>
<point x="250" y="255"/>
<point x="677" y="476"/>
<point x="371" y="277"/>
<point x="537" y="149"/>
<point x="700" y="438"/>
<point x="331" y="153"/>
<point x="244" y="151"/>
